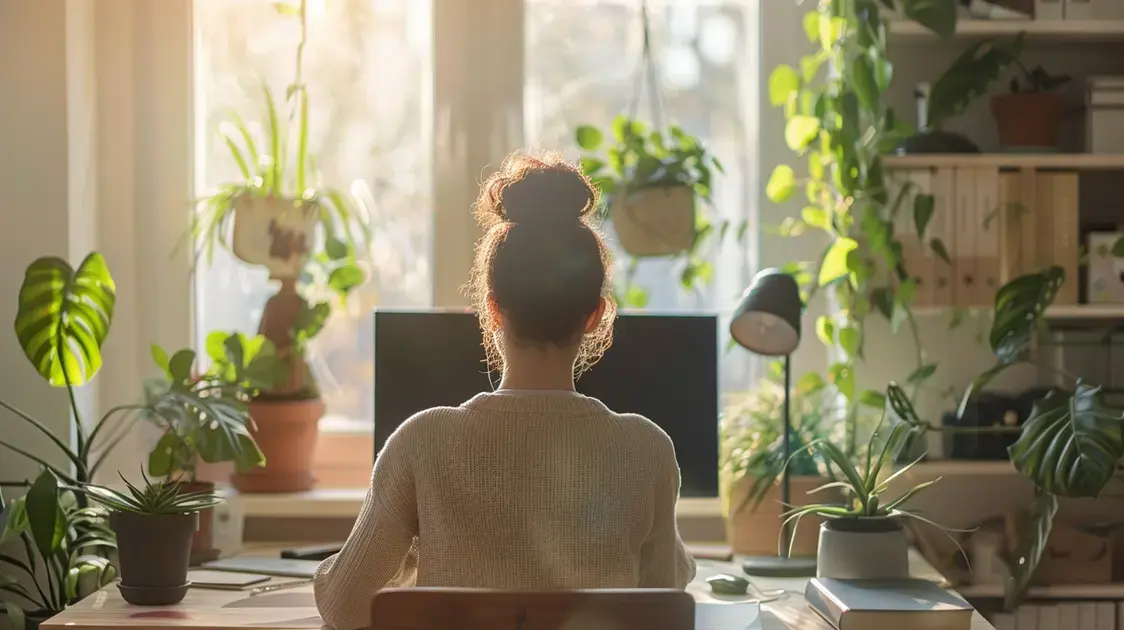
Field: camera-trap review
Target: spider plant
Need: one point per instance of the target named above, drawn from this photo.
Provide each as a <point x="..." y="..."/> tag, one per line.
<point x="867" y="482"/>
<point x="160" y="497"/>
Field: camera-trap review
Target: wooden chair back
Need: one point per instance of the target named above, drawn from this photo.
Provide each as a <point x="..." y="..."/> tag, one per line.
<point x="476" y="609"/>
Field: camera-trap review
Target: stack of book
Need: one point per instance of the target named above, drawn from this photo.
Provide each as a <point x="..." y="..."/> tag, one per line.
<point x="887" y="604"/>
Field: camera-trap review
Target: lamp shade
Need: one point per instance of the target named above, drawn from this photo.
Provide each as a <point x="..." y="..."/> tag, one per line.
<point x="767" y="320"/>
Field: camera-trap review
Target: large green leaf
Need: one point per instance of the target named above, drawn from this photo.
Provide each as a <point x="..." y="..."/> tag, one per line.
<point x="1071" y="443"/>
<point x="1035" y="534"/>
<point x="938" y="16"/>
<point x="969" y="77"/>
<point x="45" y="518"/>
<point x="64" y="316"/>
<point x="1019" y="306"/>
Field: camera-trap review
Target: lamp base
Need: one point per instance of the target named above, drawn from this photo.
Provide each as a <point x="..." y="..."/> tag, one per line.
<point x="776" y="566"/>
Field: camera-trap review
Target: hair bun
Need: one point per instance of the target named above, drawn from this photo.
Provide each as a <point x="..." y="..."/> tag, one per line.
<point x="548" y="197"/>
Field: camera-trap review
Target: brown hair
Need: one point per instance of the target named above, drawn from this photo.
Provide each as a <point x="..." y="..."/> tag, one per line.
<point x="541" y="259"/>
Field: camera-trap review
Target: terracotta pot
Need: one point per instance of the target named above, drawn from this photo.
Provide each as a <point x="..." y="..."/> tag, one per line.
<point x="657" y="221"/>
<point x="756" y="532"/>
<point x="286" y="432"/>
<point x="203" y="542"/>
<point x="1028" y="121"/>
<point x="153" y="552"/>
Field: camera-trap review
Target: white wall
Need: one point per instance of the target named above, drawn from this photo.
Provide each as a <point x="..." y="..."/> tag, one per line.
<point x="46" y="188"/>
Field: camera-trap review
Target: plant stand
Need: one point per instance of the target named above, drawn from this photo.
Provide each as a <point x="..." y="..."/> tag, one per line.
<point x="657" y="221"/>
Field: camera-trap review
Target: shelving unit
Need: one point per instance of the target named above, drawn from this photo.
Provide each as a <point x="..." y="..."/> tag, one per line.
<point x="1062" y="31"/>
<point x="1010" y="161"/>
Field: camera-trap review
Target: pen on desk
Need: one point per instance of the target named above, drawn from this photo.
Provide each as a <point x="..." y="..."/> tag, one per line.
<point x="269" y="588"/>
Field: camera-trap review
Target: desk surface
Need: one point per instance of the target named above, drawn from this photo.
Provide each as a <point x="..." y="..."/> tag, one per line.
<point x="296" y="609"/>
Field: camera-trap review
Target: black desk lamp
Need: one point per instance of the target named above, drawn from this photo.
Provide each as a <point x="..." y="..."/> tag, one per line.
<point x="767" y="322"/>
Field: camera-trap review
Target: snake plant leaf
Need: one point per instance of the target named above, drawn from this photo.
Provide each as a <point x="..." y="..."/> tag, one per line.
<point x="64" y="316"/>
<point x="1038" y="524"/>
<point x="1071" y="443"/>
<point x="45" y="518"/>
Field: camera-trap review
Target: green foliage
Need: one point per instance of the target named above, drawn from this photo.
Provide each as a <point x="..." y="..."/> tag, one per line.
<point x="63" y="544"/>
<point x="970" y="77"/>
<point x="161" y="497"/>
<point x="1073" y="440"/>
<point x="865" y="484"/>
<point x="838" y="125"/>
<point x="204" y="415"/>
<point x="632" y="157"/>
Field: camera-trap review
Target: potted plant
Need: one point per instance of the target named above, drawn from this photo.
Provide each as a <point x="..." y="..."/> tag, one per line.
<point x="752" y="458"/>
<point x="311" y="238"/>
<point x="217" y="431"/>
<point x="1029" y="117"/>
<point x="864" y="537"/>
<point x="56" y="570"/>
<point x="650" y="181"/>
<point x="154" y="526"/>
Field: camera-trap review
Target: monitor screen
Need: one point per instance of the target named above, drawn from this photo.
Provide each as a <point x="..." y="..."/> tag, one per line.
<point x="664" y="367"/>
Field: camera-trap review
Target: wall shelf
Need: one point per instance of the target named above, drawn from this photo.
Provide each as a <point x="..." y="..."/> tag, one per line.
<point x="1091" y="31"/>
<point x="1044" y="161"/>
<point x="1088" y="312"/>
<point x="961" y="468"/>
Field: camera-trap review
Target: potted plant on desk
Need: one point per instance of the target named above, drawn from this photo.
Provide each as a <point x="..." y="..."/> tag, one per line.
<point x="864" y="537"/>
<point x="205" y="416"/>
<point x="56" y="571"/>
<point x="154" y="526"/>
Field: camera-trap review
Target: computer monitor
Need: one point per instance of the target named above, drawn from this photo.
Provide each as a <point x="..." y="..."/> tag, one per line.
<point x="664" y="367"/>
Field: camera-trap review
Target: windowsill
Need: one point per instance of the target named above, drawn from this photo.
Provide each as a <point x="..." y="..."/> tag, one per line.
<point x="345" y="503"/>
<point x="342" y="425"/>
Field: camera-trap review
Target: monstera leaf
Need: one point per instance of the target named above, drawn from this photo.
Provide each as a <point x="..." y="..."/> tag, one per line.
<point x="1071" y="443"/>
<point x="64" y="316"/>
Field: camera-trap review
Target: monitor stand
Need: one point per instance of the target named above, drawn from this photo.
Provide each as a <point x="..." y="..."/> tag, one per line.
<point x="778" y="566"/>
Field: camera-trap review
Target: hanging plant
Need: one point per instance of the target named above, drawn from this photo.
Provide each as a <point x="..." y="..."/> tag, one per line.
<point x="651" y="176"/>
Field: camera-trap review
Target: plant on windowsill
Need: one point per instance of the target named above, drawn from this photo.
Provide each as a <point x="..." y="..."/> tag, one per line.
<point x="216" y="431"/>
<point x="1072" y="443"/>
<point x="838" y="123"/>
<point x="863" y="537"/>
<point x="752" y="458"/>
<point x="312" y="240"/>
<point x="56" y="571"/>
<point x="154" y="524"/>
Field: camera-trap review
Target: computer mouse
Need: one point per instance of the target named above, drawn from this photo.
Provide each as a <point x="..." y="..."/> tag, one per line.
<point x="726" y="584"/>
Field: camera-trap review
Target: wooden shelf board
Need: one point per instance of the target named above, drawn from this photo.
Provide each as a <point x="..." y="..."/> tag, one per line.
<point x="1086" y="311"/>
<point x="1052" y="30"/>
<point x="1066" y="161"/>
<point x="961" y="468"/>
<point x="1112" y="591"/>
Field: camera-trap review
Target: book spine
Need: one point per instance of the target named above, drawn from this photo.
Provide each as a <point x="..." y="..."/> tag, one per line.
<point x="1066" y="222"/>
<point x="987" y="213"/>
<point x="1010" y="210"/>
<point x="964" y="249"/>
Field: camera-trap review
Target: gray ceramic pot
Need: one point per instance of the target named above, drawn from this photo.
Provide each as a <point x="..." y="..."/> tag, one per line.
<point x="153" y="554"/>
<point x="863" y="549"/>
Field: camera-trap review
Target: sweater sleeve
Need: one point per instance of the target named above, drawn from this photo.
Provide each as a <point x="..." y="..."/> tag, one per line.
<point x="380" y="552"/>
<point x="664" y="561"/>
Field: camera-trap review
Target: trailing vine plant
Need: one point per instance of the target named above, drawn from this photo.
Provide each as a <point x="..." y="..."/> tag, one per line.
<point x="838" y="124"/>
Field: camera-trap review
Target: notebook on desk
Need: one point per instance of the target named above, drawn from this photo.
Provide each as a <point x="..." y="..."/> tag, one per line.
<point x="265" y="566"/>
<point x="887" y="605"/>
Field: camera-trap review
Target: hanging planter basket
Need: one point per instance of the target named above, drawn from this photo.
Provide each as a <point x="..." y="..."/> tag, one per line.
<point x="275" y="232"/>
<point x="655" y="221"/>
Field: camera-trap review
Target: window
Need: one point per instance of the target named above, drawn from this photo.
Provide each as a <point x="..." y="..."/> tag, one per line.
<point x="373" y="66"/>
<point x="366" y="63"/>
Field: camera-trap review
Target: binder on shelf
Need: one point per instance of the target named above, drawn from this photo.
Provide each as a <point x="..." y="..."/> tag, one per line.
<point x="1065" y="230"/>
<point x="1048" y="618"/>
<point x="964" y="250"/>
<point x="1078" y="9"/>
<point x="1028" y="221"/>
<point x="917" y="264"/>
<point x="1106" y="616"/>
<point x="943" y="227"/>
<point x="1049" y="10"/>
<point x="1044" y="221"/>
<point x="1009" y="225"/>
<point x="1026" y="617"/>
<point x="1069" y="615"/>
<point x="987" y="262"/>
<point x="1087" y="616"/>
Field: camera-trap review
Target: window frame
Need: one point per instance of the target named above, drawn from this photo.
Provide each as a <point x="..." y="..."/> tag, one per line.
<point x="144" y="81"/>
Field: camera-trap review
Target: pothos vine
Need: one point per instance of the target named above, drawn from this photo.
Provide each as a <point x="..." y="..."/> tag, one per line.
<point x="838" y="123"/>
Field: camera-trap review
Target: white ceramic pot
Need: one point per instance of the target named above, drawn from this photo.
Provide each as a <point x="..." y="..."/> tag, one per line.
<point x="656" y="221"/>
<point x="276" y="232"/>
<point x="863" y="549"/>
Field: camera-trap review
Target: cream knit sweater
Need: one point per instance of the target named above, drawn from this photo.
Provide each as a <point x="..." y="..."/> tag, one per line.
<point x="526" y="490"/>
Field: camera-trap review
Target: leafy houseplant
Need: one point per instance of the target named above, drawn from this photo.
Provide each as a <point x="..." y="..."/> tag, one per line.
<point x="864" y="538"/>
<point x="218" y="430"/>
<point x="1072" y="442"/>
<point x="752" y="458"/>
<point x="311" y="239"/>
<point x="1030" y="116"/>
<point x="154" y="525"/>
<point x="839" y="126"/>
<point x="64" y="545"/>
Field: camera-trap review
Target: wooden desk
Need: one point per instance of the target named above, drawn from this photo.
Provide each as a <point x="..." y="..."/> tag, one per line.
<point x="295" y="608"/>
